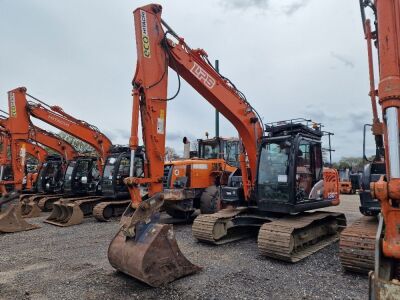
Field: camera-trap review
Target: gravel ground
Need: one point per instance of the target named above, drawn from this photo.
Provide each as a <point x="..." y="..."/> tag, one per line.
<point x="71" y="263"/>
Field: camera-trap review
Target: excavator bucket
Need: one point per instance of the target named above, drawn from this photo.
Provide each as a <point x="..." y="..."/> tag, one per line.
<point x="65" y="213"/>
<point x="146" y="250"/>
<point x="29" y="209"/>
<point x="12" y="221"/>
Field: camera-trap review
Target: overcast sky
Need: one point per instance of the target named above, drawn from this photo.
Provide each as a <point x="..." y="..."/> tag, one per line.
<point x="291" y="58"/>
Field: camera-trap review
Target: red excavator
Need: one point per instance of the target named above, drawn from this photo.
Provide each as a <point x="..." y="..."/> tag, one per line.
<point x="281" y="169"/>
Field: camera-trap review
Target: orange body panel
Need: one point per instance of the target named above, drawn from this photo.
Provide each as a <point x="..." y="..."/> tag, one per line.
<point x="331" y="185"/>
<point x="201" y="172"/>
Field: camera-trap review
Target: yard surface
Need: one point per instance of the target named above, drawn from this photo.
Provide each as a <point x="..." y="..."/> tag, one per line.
<point x="71" y="263"/>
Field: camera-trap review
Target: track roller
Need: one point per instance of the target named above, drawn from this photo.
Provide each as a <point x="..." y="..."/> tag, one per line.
<point x="296" y="237"/>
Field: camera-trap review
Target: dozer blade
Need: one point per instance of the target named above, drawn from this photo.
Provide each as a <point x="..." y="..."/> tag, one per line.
<point x="146" y="250"/>
<point x="12" y="221"/>
<point x="65" y="214"/>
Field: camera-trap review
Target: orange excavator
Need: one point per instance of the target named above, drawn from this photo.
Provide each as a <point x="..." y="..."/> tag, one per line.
<point x="83" y="179"/>
<point x="85" y="175"/>
<point x="10" y="218"/>
<point x="384" y="281"/>
<point x="194" y="183"/>
<point x="357" y="241"/>
<point x="65" y="150"/>
<point x="29" y="147"/>
<point x="51" y="171"/>
<point x="281" y="174"/>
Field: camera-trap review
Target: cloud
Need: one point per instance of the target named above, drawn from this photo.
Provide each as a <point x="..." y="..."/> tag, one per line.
<point x="290" y="9"/>
<point x="346" y="61"/>
<point x="287" y="9"/>
<point x="244" y="4"/>
<point x="358" y="119"/>
<point x="177" y="136"/>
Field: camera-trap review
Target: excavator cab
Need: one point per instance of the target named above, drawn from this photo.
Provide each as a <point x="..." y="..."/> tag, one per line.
<point x="50" y="178"/>
<point x="82" y="176"/>
<point x="225" y="148"/>
<point x="290" y="169"/>
<point x="117" y="169"/>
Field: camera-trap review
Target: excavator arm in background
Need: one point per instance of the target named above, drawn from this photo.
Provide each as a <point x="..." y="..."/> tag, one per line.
<point x="20" y="110"/>
<point x="48" y="139"/>
<point x="133" y="251"/>
<point x="54" y="142"/>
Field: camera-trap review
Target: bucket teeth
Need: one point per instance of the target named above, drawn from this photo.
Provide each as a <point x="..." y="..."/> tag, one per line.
<point x="12" y="221"/>
<point x="146" y="250"/>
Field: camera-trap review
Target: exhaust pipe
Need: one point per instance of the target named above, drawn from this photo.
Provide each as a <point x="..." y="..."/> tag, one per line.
<point x="186" y="148"/>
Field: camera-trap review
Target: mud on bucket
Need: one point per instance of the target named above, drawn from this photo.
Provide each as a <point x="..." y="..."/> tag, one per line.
<point x="151" y="256"/>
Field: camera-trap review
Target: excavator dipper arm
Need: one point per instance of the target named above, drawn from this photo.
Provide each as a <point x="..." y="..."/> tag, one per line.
<point x="48" y="139"/>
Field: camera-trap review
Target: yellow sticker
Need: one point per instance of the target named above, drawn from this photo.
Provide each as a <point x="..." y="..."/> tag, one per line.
<point x="13" y="107"/>
<point x="145" y="34"/>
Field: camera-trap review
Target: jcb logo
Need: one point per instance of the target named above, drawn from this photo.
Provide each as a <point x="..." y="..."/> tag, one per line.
<point x="145" y="35"/>
<point x="203" y="76"/>
<point x="11" y="101"/>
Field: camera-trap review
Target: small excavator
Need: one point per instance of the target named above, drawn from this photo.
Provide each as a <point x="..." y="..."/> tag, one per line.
<point x="281" y="168"/>
<point x="194" y="183"/>
<point x="378" y="246"/>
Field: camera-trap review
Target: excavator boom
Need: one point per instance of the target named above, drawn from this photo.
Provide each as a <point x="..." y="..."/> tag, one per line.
<point x="21" y="109"/>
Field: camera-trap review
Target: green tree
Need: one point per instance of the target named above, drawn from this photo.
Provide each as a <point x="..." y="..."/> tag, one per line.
<point x="78" y="144"/>
<point x="170" y="154"/>
<point x="353" y="163"/>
